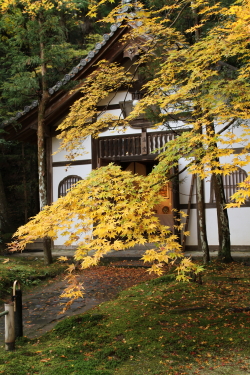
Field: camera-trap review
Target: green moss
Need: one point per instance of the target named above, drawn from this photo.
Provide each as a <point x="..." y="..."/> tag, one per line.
<point x="160" y="328"/>
<point x="28" y="271"/>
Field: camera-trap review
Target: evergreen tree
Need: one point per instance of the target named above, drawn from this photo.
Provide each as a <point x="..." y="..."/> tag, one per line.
<point x="36" y="53"/>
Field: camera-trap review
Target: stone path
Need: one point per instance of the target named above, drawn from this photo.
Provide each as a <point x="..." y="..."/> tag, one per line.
<point x="42" y="308"/>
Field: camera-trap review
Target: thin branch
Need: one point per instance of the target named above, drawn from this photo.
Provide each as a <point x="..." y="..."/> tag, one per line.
<point x="180" y="13"/>
<point x="173" y="175"/>
<point x="227" y="126"/>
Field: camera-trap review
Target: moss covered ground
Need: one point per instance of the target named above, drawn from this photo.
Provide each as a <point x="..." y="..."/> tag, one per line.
<point x="157" y="327"/>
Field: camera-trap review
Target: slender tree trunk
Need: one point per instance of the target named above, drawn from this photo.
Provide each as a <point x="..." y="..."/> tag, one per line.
<point x="5" y="224"/>
<point x="24" y="188"/>
<point x="176" y="204"/>
<point x="202" y="228"/>
<point x="201" y="216"/>
<point x="41" y="144"/>
<point x="223" y="223"/>
<point x="224" y="253"/>
<point x="202" y="219"/>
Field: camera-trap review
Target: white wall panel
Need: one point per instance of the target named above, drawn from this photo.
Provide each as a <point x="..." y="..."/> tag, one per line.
<point x="239" y="225"/>
<point x="59" y="173"/>
<point x="115" y="98"/>
<point x="120" y="132"/>
<point x="185" y="183"/>
<point x="212" y="227"/>
<point x="60" y="156"/>
<point x="192" y="227"/>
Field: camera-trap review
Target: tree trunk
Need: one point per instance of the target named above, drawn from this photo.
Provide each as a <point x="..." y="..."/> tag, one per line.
<point x="25" y="195"/>
<point x="202" y="228"/>
<point x="224" y="253"/>
<point x="202" y="219"/>
<point x="41" y="144"/>
<point x="4" y="217"/>
<point x="201" y="216"/>
<point x="223" y="223"/>
<point x="176" y="205"/>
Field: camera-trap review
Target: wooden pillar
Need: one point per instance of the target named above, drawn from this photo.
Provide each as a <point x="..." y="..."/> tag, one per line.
<point x="95" y="152"/>
<point x="48" y="141"/>
<point x="144" y="149"/>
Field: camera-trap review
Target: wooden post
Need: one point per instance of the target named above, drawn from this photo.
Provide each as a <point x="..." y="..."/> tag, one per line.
<point x="18" y="308"/>
<point x="18" y="314"/>
<point x="144" y="150"/>
<point x="9" y="326"/>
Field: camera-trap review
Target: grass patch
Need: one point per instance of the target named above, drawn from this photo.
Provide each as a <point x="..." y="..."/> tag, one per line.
<point x="158" y="327"/>
<point x="29" y="271"/>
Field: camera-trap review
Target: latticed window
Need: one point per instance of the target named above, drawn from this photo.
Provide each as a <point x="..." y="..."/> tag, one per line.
<point x="66" y="184"/>
<point x="230" y="183"/>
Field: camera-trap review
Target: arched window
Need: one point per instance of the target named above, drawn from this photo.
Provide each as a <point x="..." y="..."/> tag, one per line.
<point x="230" y="183"/>
<point x="66" y="184"/>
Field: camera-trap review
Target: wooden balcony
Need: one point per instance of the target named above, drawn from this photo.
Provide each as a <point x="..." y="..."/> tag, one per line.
<point x="133" y="145"/>
<point x="157" y="141"/>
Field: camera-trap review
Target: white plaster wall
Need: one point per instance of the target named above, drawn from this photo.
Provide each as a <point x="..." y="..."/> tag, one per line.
<point x="120" y="131"/>
<point x="114" y="112"/>
<point x="236" y="130"/>
<point x="61" y="156"/>
<point x="238" y="221"/>
<point x="59" y="173"/>
<point x="212" y="227"/>
<point x="239" y="225"/>
<point x="59" y="242"/>
<point x="185" y="183"/>
<point x="115" y="98"/>
<point x="207" y="189"/>
<point x="229" y="159"/>
<point x="192" y="227"/>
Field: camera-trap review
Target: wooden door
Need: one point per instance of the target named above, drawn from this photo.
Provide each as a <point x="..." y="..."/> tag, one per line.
<point x="164" y="209"/>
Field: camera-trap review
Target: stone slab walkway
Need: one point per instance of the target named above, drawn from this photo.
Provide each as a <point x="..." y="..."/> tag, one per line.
<point x="42" y="307"/>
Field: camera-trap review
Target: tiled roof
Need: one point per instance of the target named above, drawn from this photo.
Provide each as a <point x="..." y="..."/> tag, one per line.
<point x="78" y="67"/>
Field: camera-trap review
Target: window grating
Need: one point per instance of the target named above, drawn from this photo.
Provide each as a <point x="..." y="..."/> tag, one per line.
<point x="230" y="183"/>
<point x="66" y="184"/>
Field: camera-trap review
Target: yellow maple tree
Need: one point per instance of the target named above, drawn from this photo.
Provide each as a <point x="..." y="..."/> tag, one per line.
<point x="196" y="84"/>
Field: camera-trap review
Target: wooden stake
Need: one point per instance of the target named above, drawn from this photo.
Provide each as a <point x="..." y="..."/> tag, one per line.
<point x="9" y="326"/>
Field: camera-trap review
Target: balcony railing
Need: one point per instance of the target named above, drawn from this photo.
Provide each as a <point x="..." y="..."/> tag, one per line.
<point x="157" y="141"/>
<point x="132" y="145"/>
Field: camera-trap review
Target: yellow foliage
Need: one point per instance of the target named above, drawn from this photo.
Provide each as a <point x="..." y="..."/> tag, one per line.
<point x="119" y="215"/>
<point x="63" y="259"/>
<point x="34" y="7"/>
<point x="194" y="84"/>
